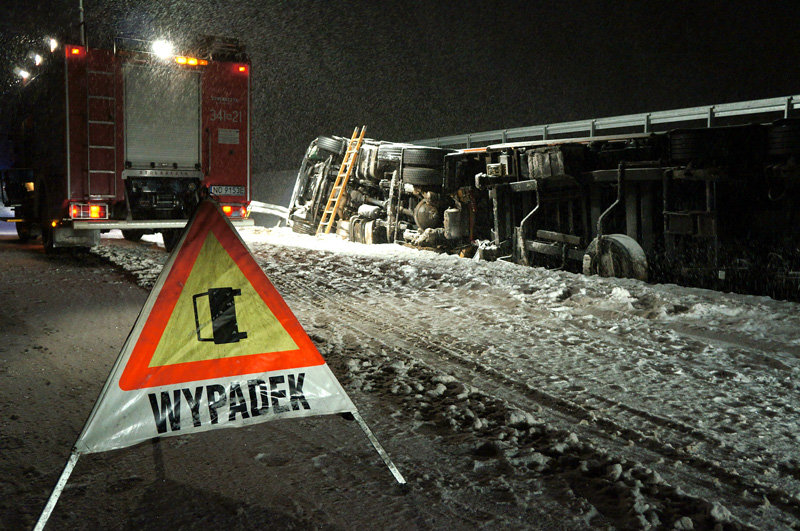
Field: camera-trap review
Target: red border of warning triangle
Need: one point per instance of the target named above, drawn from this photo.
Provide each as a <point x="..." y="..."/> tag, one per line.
<point x="137" y="373"/>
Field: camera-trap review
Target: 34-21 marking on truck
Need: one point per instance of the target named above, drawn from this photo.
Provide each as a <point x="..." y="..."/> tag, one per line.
<point x="221" y="115"/>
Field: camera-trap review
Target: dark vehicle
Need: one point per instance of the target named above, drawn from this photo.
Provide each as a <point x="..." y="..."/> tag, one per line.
<point x="395" y="191"/>
<point x="713" y="206"/>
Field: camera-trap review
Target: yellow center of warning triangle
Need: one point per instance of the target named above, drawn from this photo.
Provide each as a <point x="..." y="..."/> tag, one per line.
<point x="214" y="279"/>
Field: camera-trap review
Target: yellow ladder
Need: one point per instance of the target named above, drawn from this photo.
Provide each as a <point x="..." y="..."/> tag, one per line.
<point x="334" y="205"/>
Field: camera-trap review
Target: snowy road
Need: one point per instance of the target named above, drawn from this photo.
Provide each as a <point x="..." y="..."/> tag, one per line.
<point x="604" y="402"/>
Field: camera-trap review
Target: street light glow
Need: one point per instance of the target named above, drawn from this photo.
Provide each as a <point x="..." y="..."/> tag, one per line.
<point x="53" y="44"/>
<point x="37" y="59"/>
<point x="162" y="49"/>
<point x="24" y="74"/>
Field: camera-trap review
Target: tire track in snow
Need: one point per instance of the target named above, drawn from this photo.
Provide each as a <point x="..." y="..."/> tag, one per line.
<point x="687" y="449"/>
<point x="460" y="356"/>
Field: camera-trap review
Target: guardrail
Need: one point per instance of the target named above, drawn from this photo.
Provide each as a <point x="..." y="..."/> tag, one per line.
<point x="648" y="122"/>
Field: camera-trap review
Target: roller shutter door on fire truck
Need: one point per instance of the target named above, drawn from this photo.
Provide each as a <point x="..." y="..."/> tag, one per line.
<point x="162" y="116"/>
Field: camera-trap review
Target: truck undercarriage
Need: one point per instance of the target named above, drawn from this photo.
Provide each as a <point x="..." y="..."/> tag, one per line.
<point x="713" y="207"/>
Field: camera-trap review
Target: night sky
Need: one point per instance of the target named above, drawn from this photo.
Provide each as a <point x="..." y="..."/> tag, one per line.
<point x="419" y="69"/>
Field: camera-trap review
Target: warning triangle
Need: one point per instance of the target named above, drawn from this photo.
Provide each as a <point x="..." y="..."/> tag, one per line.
<point x="179" y="343"/>
<point x="216" y="315"/>
<point x="214" y="346"/>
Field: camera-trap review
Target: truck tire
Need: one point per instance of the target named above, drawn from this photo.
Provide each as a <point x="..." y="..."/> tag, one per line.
<point x="424" y="156"/>
<point x="330" y="144"/>
<point x="422" y="176"/>
<point x="784" y="138"/>
<point x="622" y="257"/>
<point x="44" y="220"/>
<point x="24" y="231"/>
<point x="132" y="235"/>
<point x="717" y="145"/>
<point x="302" y="227"/>
<point x="690" y="145"/>
<point x="171" y="238"/>
<point x="48" y="240"/>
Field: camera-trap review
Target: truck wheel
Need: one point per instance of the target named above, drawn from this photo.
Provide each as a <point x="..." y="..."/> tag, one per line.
<point x="690" y="145"/>
<point x="422" y="176"/>
<point x="331" y="144"/>
<point x="621" y="257"/>
<point x="132" y="235"/>
<point x="171" y="238"/>
<point x="427" y="157"/>
<point x="302" y="227"/>
<point x="784" y="137"/>
<point x="48" y="241"/>
<point x="24" y="231"/>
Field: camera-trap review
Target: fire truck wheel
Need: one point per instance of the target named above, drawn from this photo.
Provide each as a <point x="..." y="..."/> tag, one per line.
<point x="171" y="238"/>
<point x="132" y="235"/>
<point x="619" y="256"/>
<point x="47" y="240"/>
<point x="331" y="144"/>
<point x="422" y="176"/>
<point x="24" y="231"/>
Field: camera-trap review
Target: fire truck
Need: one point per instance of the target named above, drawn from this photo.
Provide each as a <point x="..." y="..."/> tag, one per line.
<point x="129" y="139"/>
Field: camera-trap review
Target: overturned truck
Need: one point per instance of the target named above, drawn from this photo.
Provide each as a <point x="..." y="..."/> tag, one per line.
<point x="712" y="206"/>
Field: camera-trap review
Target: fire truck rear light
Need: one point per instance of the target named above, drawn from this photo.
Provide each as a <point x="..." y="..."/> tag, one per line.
<point x="235" y="211"/>
<point x="54" y="223"/>
<point x="88" y="211"/>
<point x="202" y="62"/>
<point x="181" y="60"/>
<point x="75" y="50"/>
<point x="242" y="68"/>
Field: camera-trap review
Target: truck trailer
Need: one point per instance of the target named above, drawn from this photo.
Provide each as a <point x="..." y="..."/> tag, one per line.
<point x="129" y="139"/>
<point x="658" y="197"/>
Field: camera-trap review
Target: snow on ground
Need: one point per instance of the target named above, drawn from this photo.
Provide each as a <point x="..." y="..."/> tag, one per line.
<point x="652" y="405"/>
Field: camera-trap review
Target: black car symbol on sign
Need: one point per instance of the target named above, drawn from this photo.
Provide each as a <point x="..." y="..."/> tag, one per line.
<point x="223" y="316"/>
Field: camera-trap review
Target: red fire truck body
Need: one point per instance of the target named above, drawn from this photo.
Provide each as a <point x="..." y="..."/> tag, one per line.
<point x="123" y="139"/>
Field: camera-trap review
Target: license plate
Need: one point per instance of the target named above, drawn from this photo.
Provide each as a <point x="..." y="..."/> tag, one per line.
<point x="227" y="190"/>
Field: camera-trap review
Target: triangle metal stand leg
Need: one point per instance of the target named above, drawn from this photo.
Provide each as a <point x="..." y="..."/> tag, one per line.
<point x="62" y="482"/>
<point x="381" y="452"/>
